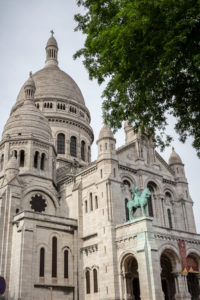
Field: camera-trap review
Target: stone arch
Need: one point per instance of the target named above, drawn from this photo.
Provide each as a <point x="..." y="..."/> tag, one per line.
<point x="129" y="177"/>
<point x="38" y="189"/>
<point x="193" y="267"/>
<point x="173" y="254"/>
<point x="155" y="181"/>
<point x="170" y="265"/>
<point x="130" y="276"/>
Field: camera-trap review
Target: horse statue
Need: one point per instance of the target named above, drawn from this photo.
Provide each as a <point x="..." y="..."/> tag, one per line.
<point x="138" y="200"/>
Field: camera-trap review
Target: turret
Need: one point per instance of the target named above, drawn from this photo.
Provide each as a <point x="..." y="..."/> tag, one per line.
<point x="52" y="51"/>
<point x="106" y="144"/>
<point x="177" y="166"/>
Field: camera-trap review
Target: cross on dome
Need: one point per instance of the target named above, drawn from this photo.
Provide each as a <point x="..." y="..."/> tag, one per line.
<point x="52" y="32"/>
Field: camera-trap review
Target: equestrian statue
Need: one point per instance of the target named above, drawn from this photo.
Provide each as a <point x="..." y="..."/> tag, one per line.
<point x="138" y="200"/>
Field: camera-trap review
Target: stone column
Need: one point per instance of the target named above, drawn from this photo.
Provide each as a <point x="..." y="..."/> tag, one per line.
<point x="182" y="292"/>
<point x="148" y="263"/>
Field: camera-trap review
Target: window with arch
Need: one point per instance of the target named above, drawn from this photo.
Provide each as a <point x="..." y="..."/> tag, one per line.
<point x="168" y="197"/>
<point x="72" y="109"/>
<point x="61" y="143"/>
<point x="2" y="161"/>
<point x="87" y="277"/>
<point x="95" y="279"/>
<point x="73" y="146"/>
<point x="66" y="263"/>
<point x="88" y="153"/>
<point x="36" y="157"/>
<point x="21" y="158"/>
<point x="42" y="261"/>
<point x="127" y="183"/>
<point x="96" y="202"/>
<point x="152" y="187"/>
<point x="91" y="202"/>
<point x="169" y="218"/>
<point x="54" y="257"/>
<point x="15" y="153"/>
<point x="42" y="162"/>
<point x="86" y="206"/>
<point x="83" y="150"/>
<point x="126" y="210"/>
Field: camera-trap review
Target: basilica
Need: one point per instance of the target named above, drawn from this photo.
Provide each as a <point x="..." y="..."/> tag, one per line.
<point x="65" y="225"/>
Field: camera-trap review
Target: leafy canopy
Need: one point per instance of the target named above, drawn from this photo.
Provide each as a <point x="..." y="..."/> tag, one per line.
<point x="148" y="51"/>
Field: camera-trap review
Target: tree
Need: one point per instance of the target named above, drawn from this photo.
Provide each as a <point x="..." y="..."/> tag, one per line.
<point x="148" y="51"/>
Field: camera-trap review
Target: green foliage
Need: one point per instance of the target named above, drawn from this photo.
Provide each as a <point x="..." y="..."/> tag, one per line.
<point x="148" y="51"/>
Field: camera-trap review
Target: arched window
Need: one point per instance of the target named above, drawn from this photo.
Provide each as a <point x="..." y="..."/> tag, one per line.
<point x="48" y="105"/>
<point x="42" y="261"/>
<point x="2" y="161"/>
<point x="86" y="207"/>
<point x="96" y="202"/>
<point x="36" y="156"/>
<point x="42" y="162"/>
<point x="87" y="277"/>
<point x="127" y="183"/>
<point x="152" y="187"/>
<point x="169" y="218"/>
<point x="91" y="202"/>
<point x="61" y="143"/>
<point x="88" y="153"/>
<point x="83" y="150"/>
<point x="51" y="105"/>
<point x="54" y="257"/>
<point x="73" y="146"/>
<point x="66" y="263"/>
<point x="15" y="153"/>
<point x="126" y="210"/>
<point x="22" y="158"/>
<point x="95" y="281"/>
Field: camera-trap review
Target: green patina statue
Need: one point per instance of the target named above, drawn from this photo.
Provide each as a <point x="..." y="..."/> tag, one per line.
<point x="138" y="200"/>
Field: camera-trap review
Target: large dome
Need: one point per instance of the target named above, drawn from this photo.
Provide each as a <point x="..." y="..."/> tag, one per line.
<point x="53" y="82"/>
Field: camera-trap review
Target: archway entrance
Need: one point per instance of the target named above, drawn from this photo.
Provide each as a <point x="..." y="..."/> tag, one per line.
<point x="167" y="278"/>
<point x="131" y="288"/>
<point x="192" y="277"/>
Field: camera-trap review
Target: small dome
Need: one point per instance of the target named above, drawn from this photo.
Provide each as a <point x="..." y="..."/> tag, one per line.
<point x="12" y="163"/>
<point x="52" y="41"/>
<point x="105" y="132"/>
<point x="27" y="121"/>
<point x="174" y="158"/>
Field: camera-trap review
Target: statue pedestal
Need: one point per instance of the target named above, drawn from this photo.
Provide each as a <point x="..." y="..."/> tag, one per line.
<point x="148" y="260"/>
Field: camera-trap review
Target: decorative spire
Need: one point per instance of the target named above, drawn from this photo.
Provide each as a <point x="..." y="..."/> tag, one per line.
<point x="51" y="50"/>
<point x="29" y="88"/>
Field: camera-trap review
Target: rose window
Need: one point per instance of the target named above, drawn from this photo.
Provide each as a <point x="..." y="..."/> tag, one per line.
<point x="38" y="203"/>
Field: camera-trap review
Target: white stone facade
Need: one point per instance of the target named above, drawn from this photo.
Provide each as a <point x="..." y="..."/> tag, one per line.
<point x="64" y="229"/>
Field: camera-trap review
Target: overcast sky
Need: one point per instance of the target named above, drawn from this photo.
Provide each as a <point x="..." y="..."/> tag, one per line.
<point x="24" y="30"/>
